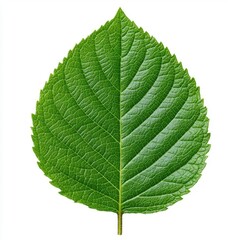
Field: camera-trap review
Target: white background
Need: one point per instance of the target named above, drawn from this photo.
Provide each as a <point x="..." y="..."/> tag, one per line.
<point x="36" y="35"/>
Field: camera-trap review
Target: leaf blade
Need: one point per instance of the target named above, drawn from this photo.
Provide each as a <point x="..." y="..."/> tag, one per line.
<point x="120" y="126"/>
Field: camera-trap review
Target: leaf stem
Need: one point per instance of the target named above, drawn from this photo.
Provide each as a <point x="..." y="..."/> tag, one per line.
<point x="120" y="223"/>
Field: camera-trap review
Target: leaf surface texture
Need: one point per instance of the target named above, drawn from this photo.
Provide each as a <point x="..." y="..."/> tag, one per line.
<point x="120" y="126"/>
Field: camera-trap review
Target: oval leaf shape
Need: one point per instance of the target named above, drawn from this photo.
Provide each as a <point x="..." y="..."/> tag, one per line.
<point x="120" y="126"/>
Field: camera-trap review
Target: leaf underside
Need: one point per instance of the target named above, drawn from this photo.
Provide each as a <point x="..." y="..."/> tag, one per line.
<point x="120" y="126"/>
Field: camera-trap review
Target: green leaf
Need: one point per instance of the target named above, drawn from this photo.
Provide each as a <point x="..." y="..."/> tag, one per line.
<point x="120" y="126"/>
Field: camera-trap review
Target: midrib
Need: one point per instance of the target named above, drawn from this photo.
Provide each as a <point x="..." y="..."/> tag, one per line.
<point x="120" y="134"/>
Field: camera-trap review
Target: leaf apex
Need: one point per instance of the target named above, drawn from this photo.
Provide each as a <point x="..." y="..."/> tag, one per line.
<point x="120" y="14"/>
<point x="120" y="11"/>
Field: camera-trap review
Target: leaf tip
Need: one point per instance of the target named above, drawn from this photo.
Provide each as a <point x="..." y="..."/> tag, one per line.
<point x="120" y="13"/>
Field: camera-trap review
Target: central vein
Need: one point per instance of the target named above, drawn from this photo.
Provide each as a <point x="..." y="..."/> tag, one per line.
<point x="120" y="134"/>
